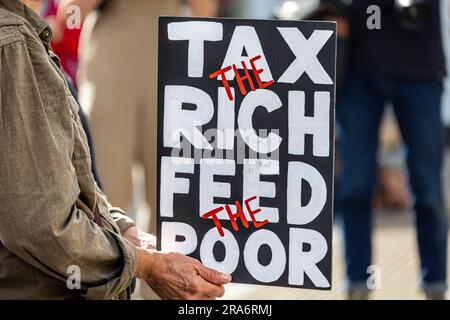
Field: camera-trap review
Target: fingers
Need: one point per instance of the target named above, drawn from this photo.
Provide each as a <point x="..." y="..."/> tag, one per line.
<point x="186" y="278"/>
<point x="212" y="275"/>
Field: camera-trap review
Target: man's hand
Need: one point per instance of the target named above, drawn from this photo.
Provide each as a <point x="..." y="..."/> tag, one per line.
<point x="177" y="277"/>
<point x="173" y="275"/>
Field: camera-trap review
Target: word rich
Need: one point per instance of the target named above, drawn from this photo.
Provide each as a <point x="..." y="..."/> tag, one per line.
<point x="274" y="106"/>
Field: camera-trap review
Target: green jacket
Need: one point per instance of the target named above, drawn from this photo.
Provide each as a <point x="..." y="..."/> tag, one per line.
<point x="49" y="200"/>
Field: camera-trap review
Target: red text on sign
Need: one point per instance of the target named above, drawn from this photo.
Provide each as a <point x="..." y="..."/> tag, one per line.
<point x="241" y="78"/>
<point x="234" y="216"/>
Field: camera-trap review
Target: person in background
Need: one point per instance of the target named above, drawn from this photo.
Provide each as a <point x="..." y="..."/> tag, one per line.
<point x="403" y="63"/>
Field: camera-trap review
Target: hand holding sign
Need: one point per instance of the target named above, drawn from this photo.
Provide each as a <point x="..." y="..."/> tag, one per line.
<point x="177" y="277"/>
<point x="246" y="136"/>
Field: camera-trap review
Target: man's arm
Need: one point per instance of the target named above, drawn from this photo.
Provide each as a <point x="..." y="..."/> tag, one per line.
<point x="40" y="221"/>
<point x="170" y="275"/>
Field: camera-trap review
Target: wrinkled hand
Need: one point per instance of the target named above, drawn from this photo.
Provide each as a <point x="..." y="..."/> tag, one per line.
<point x="178" y="277"/>
<point x="173" y="275"/>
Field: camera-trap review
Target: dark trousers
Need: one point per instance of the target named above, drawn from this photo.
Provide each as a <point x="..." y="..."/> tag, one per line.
<point x="417" y="105"/>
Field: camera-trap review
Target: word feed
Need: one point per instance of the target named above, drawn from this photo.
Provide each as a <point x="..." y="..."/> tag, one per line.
<point x="262" y="210"/>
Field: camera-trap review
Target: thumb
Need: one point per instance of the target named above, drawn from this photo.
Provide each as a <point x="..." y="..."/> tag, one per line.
<point x="213" y="276"/>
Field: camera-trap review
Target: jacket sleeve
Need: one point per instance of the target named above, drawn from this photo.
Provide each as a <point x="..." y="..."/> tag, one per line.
<point x="39" y="221"/>
<point x="119" y="216"/>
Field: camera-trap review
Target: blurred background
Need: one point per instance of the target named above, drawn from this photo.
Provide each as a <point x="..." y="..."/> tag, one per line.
<point x="393" y="165"/>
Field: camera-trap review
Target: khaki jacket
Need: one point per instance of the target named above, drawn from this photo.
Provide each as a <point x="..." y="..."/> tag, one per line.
<point x="48" y="195"/>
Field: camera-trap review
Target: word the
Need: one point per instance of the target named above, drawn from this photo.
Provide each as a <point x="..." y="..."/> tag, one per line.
<point x="240" y="79"/>
<point x="234" y="216"/>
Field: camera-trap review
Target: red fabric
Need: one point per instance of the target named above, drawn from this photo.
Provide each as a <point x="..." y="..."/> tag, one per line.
<point x="67" y="48"/>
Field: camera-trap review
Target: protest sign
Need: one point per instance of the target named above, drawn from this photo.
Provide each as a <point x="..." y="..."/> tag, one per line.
<point x="245" y="147"/>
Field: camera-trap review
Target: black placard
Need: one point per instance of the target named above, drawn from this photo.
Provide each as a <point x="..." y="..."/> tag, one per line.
<point x="280" y="140"/>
